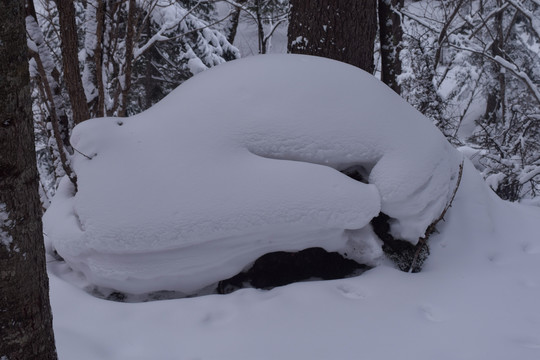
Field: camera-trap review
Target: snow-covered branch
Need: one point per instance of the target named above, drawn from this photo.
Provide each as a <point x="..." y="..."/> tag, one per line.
<point x="168" y="26"/>
<point x="514" y="69"/>
<point x="418" y="19"/>
<point x="534" y="19"/>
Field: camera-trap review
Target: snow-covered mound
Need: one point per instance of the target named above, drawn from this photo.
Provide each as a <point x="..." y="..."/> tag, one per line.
<point x="476" y="299"/>
<point x="242" y="160"/>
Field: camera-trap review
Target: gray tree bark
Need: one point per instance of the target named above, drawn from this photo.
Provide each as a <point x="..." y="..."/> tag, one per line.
<point x="342" y="30"/>
<point x="390" y="35"/>
<point x="128" y="68"/>
<point x="70" y="60"/>
<point x="25" y="313"/>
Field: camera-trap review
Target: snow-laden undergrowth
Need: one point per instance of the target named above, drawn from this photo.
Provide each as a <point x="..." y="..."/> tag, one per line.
<point x="243" y="160"/>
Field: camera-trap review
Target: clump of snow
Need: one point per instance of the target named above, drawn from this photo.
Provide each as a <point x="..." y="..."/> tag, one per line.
<point x="5" y="222"/>
<point x="494" y="180"/>
<point x="242" y="160"/>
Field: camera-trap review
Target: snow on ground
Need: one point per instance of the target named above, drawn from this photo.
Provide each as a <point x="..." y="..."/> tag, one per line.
<point x="240" y="161"/>
<point x="477" y="297"/>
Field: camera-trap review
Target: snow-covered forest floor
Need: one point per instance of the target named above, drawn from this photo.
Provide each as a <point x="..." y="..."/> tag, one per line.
<point x="476" y="298"/>
<point x="241" y="162"/>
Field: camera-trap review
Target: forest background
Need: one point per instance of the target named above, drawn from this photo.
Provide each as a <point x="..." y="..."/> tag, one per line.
<point x="471" y="66"/>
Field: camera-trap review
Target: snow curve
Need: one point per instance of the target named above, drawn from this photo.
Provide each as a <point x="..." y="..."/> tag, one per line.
<point x="239" y="161"/>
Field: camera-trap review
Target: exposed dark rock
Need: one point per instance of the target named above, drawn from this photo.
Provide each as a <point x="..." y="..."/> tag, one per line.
<point x="401" y="252"/>
<point x="357" y="172"/>
<point x="282" y="268"/>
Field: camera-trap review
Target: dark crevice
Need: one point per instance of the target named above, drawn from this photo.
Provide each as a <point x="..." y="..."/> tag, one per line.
<point x="406" y="256"/>
<point x="401" y="252"/>
<point x="357" y="172"/>
<point x="282" y="268"/>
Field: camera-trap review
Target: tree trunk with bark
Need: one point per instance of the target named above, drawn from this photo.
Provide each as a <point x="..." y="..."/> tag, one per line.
<point x="93" y="67"/>
<point x="128" y="66"/>
<point x="70" y="60"/>
<point x="496" y="99"/>
<point x="233" y="25"/>
<point x="342" y="30"/>
<point x="390" y="35"/>
<point x="25" y="313"/>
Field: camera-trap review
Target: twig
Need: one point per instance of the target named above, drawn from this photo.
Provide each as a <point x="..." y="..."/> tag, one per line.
<point x="86" y="156"/>
<point x="431" y="228"/>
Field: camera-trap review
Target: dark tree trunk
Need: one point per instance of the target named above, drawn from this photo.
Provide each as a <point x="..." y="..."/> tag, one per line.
<point x="233" y="25"/>
<point x="496" y="100"/>
<point x="130" y="38"/>
<point x="260" y="28"/>
<point x="95" y="15"/>
<point x="390" y="35"/>
<point x="25" y="313"/>
<point x="343" y="30"/>
<point x="70" y="60"/>
<point x="98" y="57"/>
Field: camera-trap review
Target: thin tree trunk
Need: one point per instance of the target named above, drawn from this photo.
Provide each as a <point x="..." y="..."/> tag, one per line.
<point x="496" y="99"/>
<point x="343" y="30"/>
<point x="55" y="124"/>
<point x="62" y="144"/>
<point x="149" y="83"/>
<point x="25" y="313"/>
<point x="70" y="60"/>
<point x="128" y="66"/>
<point x="260" y="28"/>
<point x="55" y="99"/>
<point x="92" y="74"/>
<point x="233" y="26"/>
<point x="390" y="35"/>
<point x="501" y="74"/>
<point x="98" y="57"/>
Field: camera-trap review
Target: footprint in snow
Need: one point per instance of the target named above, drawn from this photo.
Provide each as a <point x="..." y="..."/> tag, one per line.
<point x="430" y="313"/>
<point x="530" y="248"/>
<point x="215" y="317"/>
<point x="352" y="292"/>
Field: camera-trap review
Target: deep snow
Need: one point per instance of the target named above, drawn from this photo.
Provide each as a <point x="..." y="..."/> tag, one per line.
<point x="477" y="297"/>
<point x="240" y="161"/>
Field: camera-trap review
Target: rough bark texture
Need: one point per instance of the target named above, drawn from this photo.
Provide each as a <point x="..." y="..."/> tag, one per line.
<point x="98" y="58"/>
<point x="496" y="100"/>
<point x="70" y="60"/>
<point x="92" y="74"/>
<point x="25" y="314"/>
<point x="128" y="66"/>
<point x="343" y="30"/>
<point x="233" y="25"/>
<point x="390" y="35"/>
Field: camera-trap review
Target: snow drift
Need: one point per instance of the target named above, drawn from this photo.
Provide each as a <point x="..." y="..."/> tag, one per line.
<point x="242" y="160"/>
